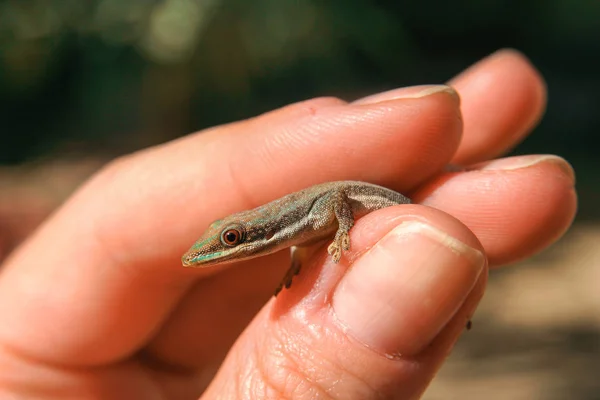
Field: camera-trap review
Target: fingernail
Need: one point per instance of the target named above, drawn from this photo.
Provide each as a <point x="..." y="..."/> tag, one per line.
<point x="519" y="162"/>
<point x="400" y="294"/>
<point x="413" y="92"/>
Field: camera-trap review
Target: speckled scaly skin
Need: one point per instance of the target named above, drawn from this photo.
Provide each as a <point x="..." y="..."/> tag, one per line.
<point x="317" y="213"/>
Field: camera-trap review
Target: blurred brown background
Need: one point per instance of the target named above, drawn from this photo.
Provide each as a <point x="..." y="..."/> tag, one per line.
<point x="84" y="81"/>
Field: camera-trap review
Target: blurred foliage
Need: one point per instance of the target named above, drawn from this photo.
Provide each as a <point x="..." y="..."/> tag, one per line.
<point x="113" y="76"/>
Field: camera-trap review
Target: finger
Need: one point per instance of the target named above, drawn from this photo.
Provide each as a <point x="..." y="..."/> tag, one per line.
<point x="503" y="98"/>
<point x="516" y="206"/>
<point x="377" y="325"/>
<point x="110" y="257"/>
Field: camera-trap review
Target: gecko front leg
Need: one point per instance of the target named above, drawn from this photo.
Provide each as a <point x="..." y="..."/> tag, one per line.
<point x="345" y="219"/>
<point x="326" y="211"/>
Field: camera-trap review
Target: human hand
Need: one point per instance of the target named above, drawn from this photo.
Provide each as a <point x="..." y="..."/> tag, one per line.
<point x="96" y="304"/>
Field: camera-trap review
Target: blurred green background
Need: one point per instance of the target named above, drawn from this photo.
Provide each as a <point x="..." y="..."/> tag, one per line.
<point x="114" y="76"/>
<point x="84" y="81"/>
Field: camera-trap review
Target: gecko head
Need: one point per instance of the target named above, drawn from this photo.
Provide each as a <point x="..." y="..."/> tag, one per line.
<point x="229" y="240"/>
<point x="222" y="241"/>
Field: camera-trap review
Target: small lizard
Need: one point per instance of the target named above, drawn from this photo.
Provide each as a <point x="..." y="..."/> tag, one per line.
<point x="301" y="218"/>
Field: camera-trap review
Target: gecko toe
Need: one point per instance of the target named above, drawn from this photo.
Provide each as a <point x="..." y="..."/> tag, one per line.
<point x="334" y="251"/>
<point x="278" y="289"/>
<point x="337" y="256"/>
<point x="332" y="248"/>
<point x="345" y="241"/>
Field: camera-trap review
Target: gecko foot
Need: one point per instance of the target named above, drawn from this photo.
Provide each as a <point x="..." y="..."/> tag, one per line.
<point x="340" y="242"/>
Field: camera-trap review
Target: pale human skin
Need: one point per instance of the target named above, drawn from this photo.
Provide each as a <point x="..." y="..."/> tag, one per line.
<point x="96" y="305"/>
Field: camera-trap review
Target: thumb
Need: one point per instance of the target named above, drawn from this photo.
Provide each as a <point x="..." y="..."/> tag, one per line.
<point x="377" y="325"/>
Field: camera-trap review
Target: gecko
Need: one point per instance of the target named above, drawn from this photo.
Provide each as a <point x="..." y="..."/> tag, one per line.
<point x="317" y="213"/>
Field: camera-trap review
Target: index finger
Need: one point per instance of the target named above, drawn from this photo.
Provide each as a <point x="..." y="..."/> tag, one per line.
<point x="108" y="262"/>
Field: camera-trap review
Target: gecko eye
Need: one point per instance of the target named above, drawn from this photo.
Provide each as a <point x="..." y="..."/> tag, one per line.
<point x="232" y="236"/>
